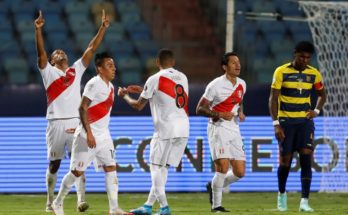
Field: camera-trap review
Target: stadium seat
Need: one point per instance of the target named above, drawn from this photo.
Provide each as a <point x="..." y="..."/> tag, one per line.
<point x="129" y="63"/>
<point x="117" y="30"/>
<point x="82" y="39"/>
<point x="23" y="6"/>
<point x="127" y="6"/>
<point x="79" y="22"/>
<point x="264" y="68"/>
<point x="51" y="7"/>
<point x="98" y="7"/>
<point x="17" y="70"/>
<point x="121" y="49"/>
<point x="130" y="76"/>
<point x="147" y="49"/>
<point x="138" y="31"/>
<point x="73" y="7"/>
<point x="263" y="6"/>
<point x="130" y="18"/>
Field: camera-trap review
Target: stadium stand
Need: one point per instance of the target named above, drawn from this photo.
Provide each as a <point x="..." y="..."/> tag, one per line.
<point x="194" y="29"/>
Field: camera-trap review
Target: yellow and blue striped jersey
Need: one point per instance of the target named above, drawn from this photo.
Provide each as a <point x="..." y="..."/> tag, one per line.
<point x="295" y="90"/>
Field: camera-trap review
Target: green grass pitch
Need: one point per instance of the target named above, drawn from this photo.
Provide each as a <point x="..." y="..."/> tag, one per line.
<point x="181" y="203"/>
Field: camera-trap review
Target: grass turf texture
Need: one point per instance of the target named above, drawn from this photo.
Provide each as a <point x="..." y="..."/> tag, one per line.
<point x="181" y="203"/>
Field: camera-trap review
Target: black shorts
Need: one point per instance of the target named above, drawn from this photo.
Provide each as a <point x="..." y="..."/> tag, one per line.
<point x="297" y="136"/>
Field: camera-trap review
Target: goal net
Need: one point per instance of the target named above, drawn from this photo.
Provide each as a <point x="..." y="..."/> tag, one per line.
<point x="328" y="23"/>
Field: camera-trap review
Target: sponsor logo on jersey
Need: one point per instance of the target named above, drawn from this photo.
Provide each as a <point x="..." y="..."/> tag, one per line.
<point x="308" y="78"/>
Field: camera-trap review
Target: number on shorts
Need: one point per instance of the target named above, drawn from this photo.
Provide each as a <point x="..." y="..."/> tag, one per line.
<point x="180" y="99"/>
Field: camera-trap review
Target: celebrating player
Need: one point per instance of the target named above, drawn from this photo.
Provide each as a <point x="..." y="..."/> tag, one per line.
<point x="62" y="84"/>
<point x="92" y="137"/>
<point x="222" y="102"/>
<point x="167" y="91"/>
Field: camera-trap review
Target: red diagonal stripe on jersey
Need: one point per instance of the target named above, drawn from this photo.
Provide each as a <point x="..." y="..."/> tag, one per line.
<point x="100" y="110"/>
<point x="167" y="86"/>
<point x="58" y="86"/>
<point x="231" y="101"/>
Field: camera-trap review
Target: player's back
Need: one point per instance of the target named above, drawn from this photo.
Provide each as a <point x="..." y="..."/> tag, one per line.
<point x="167" y="92"/>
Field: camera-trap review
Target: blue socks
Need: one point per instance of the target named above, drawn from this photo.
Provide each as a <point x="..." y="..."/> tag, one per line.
<point x="306" y="174"/>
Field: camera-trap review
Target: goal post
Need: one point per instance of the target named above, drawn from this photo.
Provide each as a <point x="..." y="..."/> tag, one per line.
<point x="328" y="23"/>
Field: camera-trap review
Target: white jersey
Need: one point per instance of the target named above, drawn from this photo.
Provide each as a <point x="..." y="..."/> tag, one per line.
<point x="225" y="97"/>
<point x="167" y="92"/>
<point x="102" y="99"/>
<point x="63" y="90"/>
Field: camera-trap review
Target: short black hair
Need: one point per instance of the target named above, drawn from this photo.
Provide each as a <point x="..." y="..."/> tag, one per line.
<point x="224" y="59"/>
<point x="304" y="46"/>
<point x="99" y="58"/>
<point x="164" y="55"/>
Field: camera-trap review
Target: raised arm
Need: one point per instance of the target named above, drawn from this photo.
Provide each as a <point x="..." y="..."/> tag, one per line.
<point x="83" y="110"/>
<point x="136" y="104"/>
<point x="39" y="42"/>
<point x="95" y="42"/>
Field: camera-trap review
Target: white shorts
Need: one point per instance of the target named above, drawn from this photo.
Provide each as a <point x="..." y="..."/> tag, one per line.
<point x="167" y="151"/>
<point x="225" y="143"/>
<point x="59" y="137"/>
<point x="82" y="155"/>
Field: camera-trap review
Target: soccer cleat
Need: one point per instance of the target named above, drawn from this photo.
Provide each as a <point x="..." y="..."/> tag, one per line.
<point x="49" y="207"/>
<point x="219" y="209"/>
<point x="143" y="210"/>
<point x="57" y="208"/>
<point x="164" y="211"/>
<point x="82" y="206"/>
<point x="304" y="206"/>
<point x="210" y="191"/>
<point x="282" y="204"/>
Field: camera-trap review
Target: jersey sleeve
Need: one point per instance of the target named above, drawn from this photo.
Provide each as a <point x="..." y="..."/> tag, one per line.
<point x="79" y="67"/>
<point x="149" y="88"/>
<point x="209" y="92"/>
<point x="277" y="79"/>
<point x="46" y="73"/>
<point x="90" y="90"/>
<point x="318" y="82"/>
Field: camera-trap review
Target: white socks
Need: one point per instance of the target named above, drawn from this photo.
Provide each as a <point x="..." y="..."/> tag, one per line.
<point x="230" y="178"/>
<point x="80" y="185"/>
<point x="217" y="186"/>
<point x="152" y="197"/>
<point x="111" y="184"/>
<point x="159" y="175"/>
<point x="51" y="180"/>
<point x="68" y="180"/>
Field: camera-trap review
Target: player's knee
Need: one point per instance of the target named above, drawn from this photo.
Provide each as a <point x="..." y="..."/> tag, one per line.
<point x="305" y="160"/>
<point x="222" y="169"/>
<point x="109" y="168"/>
<point x="54" y="166"/>
<point x="240" y="174"/>
<point x="77" y="173"/>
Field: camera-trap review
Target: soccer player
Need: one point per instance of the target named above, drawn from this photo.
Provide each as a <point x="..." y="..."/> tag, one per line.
<point x="62" y="84"/>
<point x="290" y="108"/>
<point x="167" y="92"/>
<point x="222" y="102"/>
<point x="92" y="139"/>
